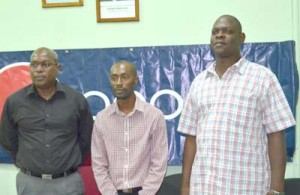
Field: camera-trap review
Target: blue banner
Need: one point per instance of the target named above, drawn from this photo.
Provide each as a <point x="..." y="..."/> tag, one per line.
<point x="165" y="74"/>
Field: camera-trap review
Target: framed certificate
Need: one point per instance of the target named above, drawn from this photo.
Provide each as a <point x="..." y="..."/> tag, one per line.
<point x="61" y="3"/>
<point x="117" y="10"/>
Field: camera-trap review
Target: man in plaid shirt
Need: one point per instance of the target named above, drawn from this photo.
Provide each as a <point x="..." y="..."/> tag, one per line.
<point x="234" y="117"/>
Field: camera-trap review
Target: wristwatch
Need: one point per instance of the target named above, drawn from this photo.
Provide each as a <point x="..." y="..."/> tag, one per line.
<point x="274" y="192"/>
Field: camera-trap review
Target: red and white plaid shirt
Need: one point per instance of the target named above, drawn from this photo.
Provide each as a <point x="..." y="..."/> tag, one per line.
<point x="231" y="118"/>
<point x="129" y="150"/>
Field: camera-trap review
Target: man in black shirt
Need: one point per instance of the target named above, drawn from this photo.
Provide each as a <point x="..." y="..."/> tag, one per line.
<point x="46" y="128"/>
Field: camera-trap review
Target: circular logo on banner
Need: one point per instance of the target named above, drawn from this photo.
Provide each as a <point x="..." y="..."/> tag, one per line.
<point x="12" y="78"/>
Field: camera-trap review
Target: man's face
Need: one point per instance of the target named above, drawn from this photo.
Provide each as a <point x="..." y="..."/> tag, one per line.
<point x="43" y="69"/>
<point x="123" y="80"/>
<point x="226" y="37"/>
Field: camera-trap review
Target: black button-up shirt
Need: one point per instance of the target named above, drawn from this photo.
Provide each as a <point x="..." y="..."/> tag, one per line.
<point x="46" y="137"/>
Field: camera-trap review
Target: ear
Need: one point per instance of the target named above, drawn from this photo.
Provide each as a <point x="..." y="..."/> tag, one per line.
<point x="242" y="37"/>
<point x="136" y="80"/>
<point x="58" y="67"/>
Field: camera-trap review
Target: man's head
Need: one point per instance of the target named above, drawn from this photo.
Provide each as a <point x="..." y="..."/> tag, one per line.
<point x="227" y="37"/>
<point x="44" y="67"/>
<point x="123" y="79"/>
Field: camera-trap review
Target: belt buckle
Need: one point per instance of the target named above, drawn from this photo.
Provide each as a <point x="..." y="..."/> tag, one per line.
<point x="46" y="176"/>
<point x="129" y="190"/>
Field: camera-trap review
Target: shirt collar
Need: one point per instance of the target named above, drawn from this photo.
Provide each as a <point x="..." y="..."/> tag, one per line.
<point x="138" y="106"/>
<point x="240" y="66"/>
<point x="32" y="89"/>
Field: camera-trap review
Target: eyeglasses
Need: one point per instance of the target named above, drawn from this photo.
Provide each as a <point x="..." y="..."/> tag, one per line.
<point x="43" y="65"/>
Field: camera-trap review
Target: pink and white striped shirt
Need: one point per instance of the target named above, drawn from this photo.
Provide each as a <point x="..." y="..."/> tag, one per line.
<point x="129" y="150"/>
<point x="231" y="118"/>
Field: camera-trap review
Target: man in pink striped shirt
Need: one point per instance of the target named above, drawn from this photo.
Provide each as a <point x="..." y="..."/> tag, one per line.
<point x="129" y="140"/>
<point x="234" y="117"/>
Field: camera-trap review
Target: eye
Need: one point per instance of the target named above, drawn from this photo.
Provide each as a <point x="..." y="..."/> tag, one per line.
<point x="214" y="31"/>
<point x="46" y="65"/>
<point x="226" y="31"/>
<point x="125" y="76"/>
<point x="113" y="77"/>
<point x="33" y="65"/>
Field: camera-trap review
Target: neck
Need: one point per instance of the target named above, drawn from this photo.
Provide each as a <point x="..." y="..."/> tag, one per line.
<point x="126" y="106"/>
<point x="46" y="93"/>
<point x="222" y="64"/>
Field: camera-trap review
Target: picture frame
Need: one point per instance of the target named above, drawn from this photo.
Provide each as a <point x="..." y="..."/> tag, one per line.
<point x="117" y="10"/>
<point x="61" y="3"/>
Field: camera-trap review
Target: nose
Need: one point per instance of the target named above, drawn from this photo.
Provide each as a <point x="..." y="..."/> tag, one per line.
<point x="39" y="68"/>
<point x="119" y="81"/>
<point x="220" y="34"/>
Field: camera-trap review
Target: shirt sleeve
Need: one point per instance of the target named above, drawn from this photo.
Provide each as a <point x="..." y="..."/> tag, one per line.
<point x="8" y="132"/>
<point x="277" y="114"/>
<point x="189" y="115"/>
<point x="85" y="130"/>
<point x="159" y="157"/>
<point x="100" y="162"/>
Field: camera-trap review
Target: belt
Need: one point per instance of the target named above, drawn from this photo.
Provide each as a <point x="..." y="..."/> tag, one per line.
<point x="130" y="190"/>
<point x="49" y="176"/>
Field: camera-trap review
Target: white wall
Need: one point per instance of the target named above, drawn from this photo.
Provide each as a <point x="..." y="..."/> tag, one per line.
<point x="25" y="25"/>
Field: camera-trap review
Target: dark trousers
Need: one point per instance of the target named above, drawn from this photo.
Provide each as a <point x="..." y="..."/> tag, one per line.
<point x="30" y="185"/>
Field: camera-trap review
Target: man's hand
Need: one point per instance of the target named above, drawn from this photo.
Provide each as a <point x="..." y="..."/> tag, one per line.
<point x="185" y="191"/>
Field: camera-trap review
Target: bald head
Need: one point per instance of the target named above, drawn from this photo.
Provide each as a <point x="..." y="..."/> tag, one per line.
<point x="130" y="67"/>
<point x="227" y="37"/>
<point x="123" y="79"/>
<point x="233" y="19"/>
<point x="51" y="53"/>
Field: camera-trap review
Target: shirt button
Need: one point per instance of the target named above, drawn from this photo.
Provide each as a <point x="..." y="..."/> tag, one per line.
<point x="47" y="161"/>
<point x="126" y="149"/>
<point x="47" y="115"/>
<point x="47" y="145"/>
<point x="126" y="166"/>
